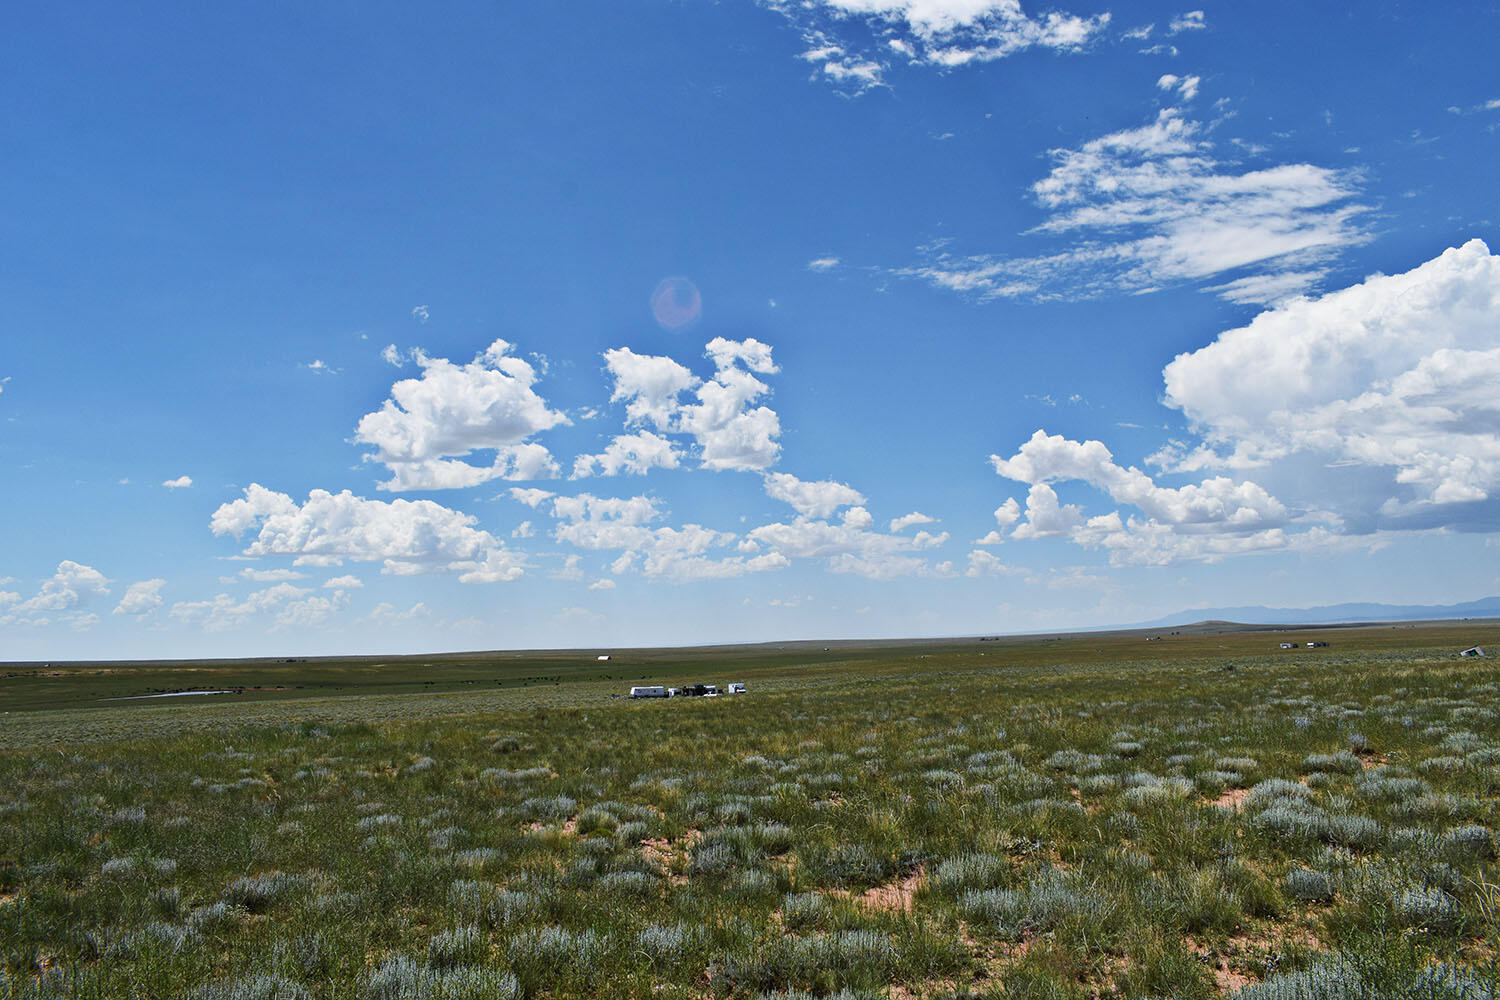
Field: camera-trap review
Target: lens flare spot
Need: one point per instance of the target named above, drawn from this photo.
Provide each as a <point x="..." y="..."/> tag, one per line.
<point x="676" y="303"/>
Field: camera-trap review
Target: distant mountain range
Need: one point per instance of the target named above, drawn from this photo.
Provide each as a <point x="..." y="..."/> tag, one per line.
<point x="1486" y="607"/>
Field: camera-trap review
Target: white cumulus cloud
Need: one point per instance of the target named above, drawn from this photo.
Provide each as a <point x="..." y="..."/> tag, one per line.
<point x="269" y="575"/>
<point x="907" y="520"/>
<point x="66" y="598"/>
<point x="285" y="605"/>
<point x="1219" y="502"/>
<point x="634" y="454"/>
<point x="624" y="525"/>
<point x="1366" y="411"/>
<point x="423" y="433"/>
<point x="848" y="546"/>
<point x="729" y="430"/>
<point x="811" y="499"/>
<point x="407" y="536"/>
<point x="529" y="495"/>
<point x="141" y="598"/>
<point x="1396" y="374"/>
<point x="180" y="483"/>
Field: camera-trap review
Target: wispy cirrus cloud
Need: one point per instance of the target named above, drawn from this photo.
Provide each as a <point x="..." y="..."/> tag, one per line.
<point x="1192" y="20"/>
<point x="1153" y="206"/>
<point x="852" y="44"/>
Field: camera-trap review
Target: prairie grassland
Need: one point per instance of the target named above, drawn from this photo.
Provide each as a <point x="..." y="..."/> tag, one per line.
<point x="1092" y="818"/>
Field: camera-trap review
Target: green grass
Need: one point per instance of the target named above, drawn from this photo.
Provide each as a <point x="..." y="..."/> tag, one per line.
<point x="1062" y="817"/>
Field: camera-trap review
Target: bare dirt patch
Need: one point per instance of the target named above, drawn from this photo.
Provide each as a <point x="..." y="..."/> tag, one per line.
<point x="894" y="897"/>
<point x="1234" y="799"/>
<point x="1229" y="980"/>
<point x="671" y="856"/>
<point x="568" y="829"/>
<point x="1232" y="963"/>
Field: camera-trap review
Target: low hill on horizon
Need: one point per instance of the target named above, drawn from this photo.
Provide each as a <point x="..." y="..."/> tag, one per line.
<point x="1329" y="614"/>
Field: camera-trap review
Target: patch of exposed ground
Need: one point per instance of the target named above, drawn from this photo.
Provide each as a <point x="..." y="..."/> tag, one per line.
<point x="994" y="958"/>
<point x="894" y="897"/>
<point x="568" y="828"/>
<point x="1234" y="964"/>
<point x="1233" y="798"/>
<point x="671" y="856"/>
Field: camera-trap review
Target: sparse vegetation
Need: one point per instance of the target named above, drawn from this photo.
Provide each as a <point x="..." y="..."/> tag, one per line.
<point x="985" y="821"/>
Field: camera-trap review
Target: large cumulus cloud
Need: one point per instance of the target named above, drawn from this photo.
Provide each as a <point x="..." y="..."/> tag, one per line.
<point x="1368" y="410"/>
<point x="1397" y="374"/>
<point x="431" y="424"/>
<point x="407" y="536"/>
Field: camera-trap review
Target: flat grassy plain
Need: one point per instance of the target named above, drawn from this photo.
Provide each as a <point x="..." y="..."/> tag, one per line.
<point x="1196" y="815"/>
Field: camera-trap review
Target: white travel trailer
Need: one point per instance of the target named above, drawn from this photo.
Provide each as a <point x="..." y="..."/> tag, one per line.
<point x="735" y="687"/>
<point x="648" y="691"/>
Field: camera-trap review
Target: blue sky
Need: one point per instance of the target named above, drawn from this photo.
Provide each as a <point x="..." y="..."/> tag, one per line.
<point x="358" y="328"/>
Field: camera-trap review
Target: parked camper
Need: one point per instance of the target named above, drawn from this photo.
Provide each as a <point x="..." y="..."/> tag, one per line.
<point x="1316" y="645"/>
<point x="648" y="691"/>
<point x="1288" y="645"/>
<point x="735" y="687"/>
<point x="603" y="659"/>
<point x="1473" y="651"/>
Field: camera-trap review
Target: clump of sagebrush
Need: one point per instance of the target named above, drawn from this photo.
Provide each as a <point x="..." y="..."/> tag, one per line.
<point x="974" y="870"/>
<point x="402" y="978"/>
<point x="801" y="910"/>
<point x="1310" y="885"/>
<point x="1341" y="762"/>
<point x="257" y="893"/>
<point x="1427" y="907"/>
<point x="458" y="946"/>
<point x="1046" y="899"/>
